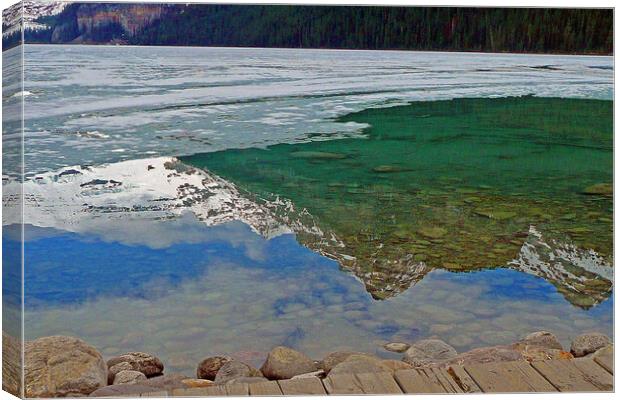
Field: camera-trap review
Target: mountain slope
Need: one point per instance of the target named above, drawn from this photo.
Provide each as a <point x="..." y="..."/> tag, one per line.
<point x="354" y="27"/>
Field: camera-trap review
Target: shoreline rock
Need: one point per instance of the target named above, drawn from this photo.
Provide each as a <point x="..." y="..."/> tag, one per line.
<point x="64" y="366"/>
<point x="148" y="364"/>
<point x="61" y="366"/>
<point x="285" y="363"/>
<point x="588" y="343"/>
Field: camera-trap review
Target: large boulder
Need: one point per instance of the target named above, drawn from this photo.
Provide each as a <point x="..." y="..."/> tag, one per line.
<point x="543" y="339"/>
<point x="235" y="369"/>
<point x="61" y="366"/>
<point x="588" y="343"/>
<point x="284" y="363"/>
<point x="428" y="351"/>
<point x="335" y="358"/>
<point x="128" y="377"/>
<point x="207" y="369"/>
<point x="148" y="364"/>
<point x="358" y="364"/>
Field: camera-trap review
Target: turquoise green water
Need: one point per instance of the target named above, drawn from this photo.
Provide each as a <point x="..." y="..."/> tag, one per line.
<point x="453" y="184"/>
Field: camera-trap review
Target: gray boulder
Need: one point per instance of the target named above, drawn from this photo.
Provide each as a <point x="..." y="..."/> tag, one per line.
<point x="428" y="351"/>
<point x="358" y="364"/>
<point x="335" y="358"/>
<point x="284" y="363"/>
<point x="588" y="343"/>
<point x="235" y="369"/>
<point x="146" y="363"/>
<point x="61" y="366"/>
<point x="543" y="339"/>
<point x="128" y="377"/>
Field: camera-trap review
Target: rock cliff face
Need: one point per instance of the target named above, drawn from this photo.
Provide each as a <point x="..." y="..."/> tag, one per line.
<point x="132" y="18"/>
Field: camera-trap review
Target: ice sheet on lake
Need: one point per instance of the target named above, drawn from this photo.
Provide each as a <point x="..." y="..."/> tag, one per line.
<point x="170" y="101"/>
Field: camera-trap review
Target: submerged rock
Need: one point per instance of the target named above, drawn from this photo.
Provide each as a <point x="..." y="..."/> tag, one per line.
<point x="499" y="215"/>
<point x="235" y="369"/>
<point x="433" y="232"/>
<point x="396" y="347"/>
<point x="601" y="189"/>
<point x="207" y="368"/>
<point x="383" y="169"/>
<point x="284" y="363"/>
<point x="61" y="366"/>
<point x="317" y="155"/>
<point x="427" y="351"/>
<point x="588" y="343"/>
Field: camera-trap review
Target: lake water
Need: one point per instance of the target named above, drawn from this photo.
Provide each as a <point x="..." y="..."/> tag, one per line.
<point x="198" y="201"/>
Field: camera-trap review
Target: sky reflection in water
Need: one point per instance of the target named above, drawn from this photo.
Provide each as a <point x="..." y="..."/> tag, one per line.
<point x="185" y="291"/>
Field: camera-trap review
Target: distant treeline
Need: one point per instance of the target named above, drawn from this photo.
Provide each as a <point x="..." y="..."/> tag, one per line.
<point x="412" y="28"/>
<point x="537" y="30"/>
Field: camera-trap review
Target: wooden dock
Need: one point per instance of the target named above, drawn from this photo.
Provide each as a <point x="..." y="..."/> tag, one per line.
<point x="577" y="375"/>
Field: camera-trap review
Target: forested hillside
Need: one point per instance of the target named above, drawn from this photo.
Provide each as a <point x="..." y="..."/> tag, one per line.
<point x="411" y="28"/>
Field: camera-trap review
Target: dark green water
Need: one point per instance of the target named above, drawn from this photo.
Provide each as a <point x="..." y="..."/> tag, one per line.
<point x="454" y="184"/>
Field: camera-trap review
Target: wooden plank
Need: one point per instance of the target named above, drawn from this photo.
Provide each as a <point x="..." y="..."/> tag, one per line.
<point x="237" y="389"/>
<point x="462" y="378"/>
<point x="378" y="383"/>
<point x="216" y="390"/>
<point x="595" y="373"/>
<point x="565" y="376"/>
<point x="412" y="381"/>
<point x="342" y="384"/>
<point x="190" y="392"/>
<point x="444" y="379"/>
<point x="267" y="388"/>
<point x="606" y="361"/>
<point x="161" y="393"/>
<point x="295" y="387"/>
<point x="508" y="377"/>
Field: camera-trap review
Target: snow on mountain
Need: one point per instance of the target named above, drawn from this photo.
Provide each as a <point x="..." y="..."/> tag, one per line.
<point x="31" y="11"/>
<point x="86" y="199"/>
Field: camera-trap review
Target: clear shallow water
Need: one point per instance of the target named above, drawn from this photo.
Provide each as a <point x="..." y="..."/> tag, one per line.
<point x="458" y="184"/>
<point x="227" y="290"/>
